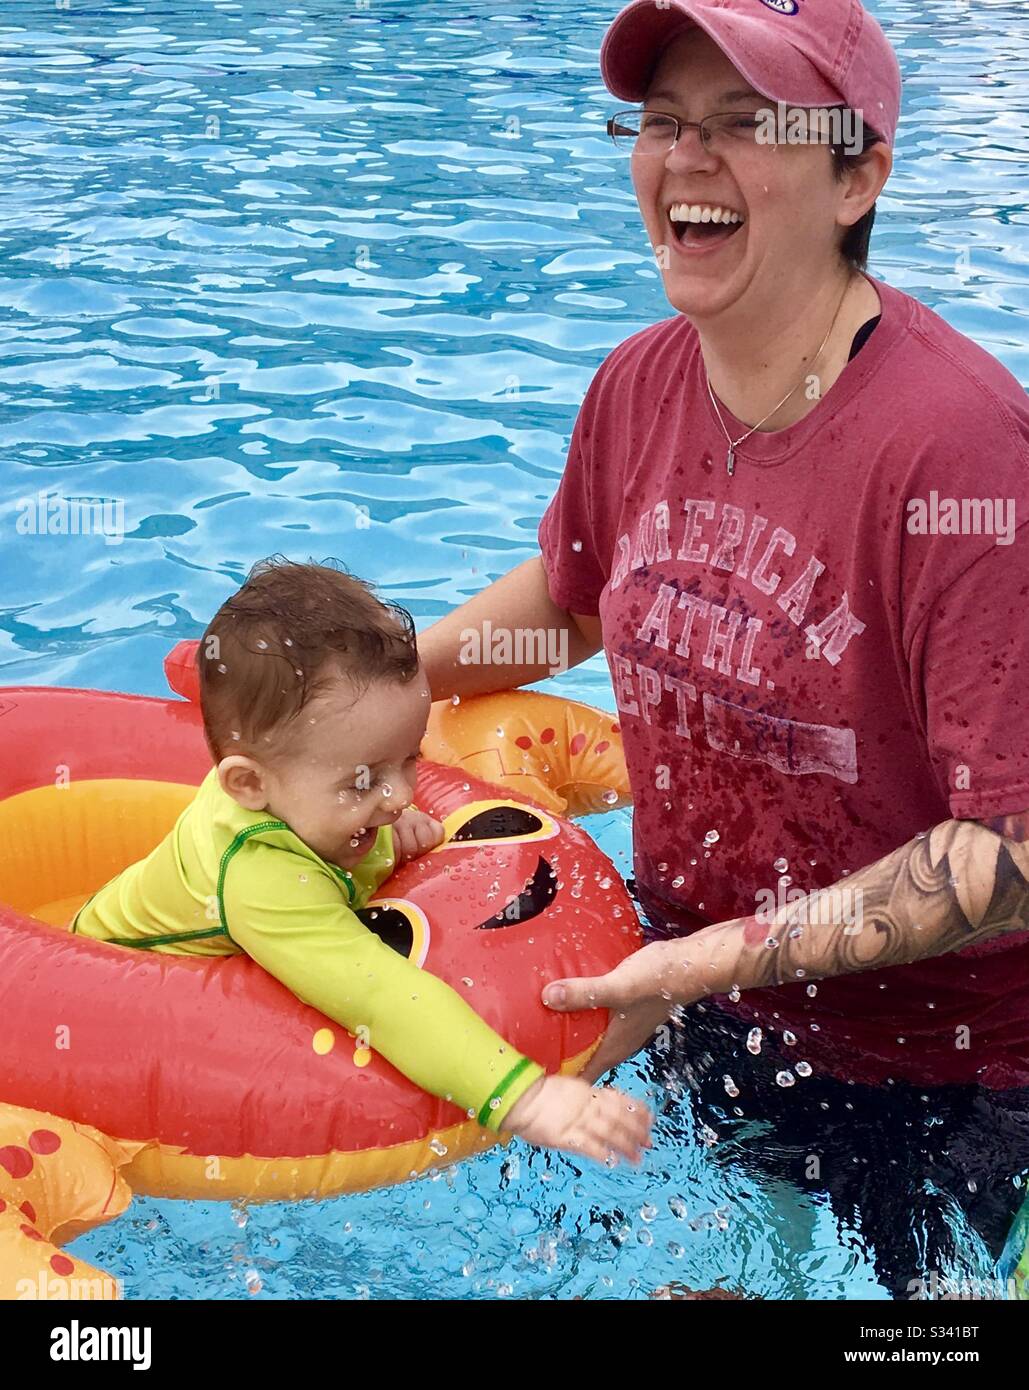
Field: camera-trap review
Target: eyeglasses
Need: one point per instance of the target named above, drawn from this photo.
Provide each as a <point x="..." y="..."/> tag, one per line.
<point x="658" y="132"/>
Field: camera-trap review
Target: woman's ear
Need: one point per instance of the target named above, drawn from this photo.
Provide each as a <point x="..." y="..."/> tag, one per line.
<point x="862" y="183"/>
<point x="245" y="781"/>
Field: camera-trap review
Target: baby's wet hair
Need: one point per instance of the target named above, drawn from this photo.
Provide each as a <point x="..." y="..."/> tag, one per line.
<point x="287" y="634"/>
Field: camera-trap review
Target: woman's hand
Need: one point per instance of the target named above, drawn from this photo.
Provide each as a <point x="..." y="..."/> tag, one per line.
<point x="640" y="993"/>
<point x="414" y="833"/>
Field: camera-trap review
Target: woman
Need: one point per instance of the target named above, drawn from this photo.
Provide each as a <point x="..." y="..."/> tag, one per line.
<point x="790" y="517"/>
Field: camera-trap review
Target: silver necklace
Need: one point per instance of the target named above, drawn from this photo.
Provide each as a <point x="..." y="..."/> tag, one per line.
<point x="730" y="458"/>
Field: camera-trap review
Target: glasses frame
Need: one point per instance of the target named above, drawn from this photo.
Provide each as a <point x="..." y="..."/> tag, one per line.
<point x="680" y="124"/>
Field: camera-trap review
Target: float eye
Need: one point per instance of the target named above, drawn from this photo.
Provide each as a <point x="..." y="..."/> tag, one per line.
<point x="535" y="897"/>
<point x="403" y="927"/>
<point x="487" y="822"/>
<point x="500" y="823"/>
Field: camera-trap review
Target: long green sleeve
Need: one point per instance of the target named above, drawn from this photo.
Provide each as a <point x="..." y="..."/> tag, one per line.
<point x="289" y="914"/>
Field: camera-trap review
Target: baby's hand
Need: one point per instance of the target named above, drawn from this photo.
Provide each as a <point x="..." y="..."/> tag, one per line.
<point x="565" y="1112"/>
<point x="414" y="833"/>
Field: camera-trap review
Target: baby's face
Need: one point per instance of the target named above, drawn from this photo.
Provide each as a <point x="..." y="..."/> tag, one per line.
<point x="351" y="766"/>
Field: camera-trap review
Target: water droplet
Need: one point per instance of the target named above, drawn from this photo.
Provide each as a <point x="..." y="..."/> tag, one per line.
<point x="576" y="545"/>
<point x="803" y="1068"/>
<point x="678" y="881"/>
<point x="771" y="942"/>
<point x="677" y="1206"/>
<point x="781" y="865"/>
<point x="455" y="699"/>
<point x="438" y="1147"/>
<point x="253" y="1281"/>
<point x="790" y="1039"/>
<point x="785" y="1078"/>
<point x="712" y="837"/>
<point x="662" y="868"/>
<point x="610" y="797"/>
<point x="262" y="645"/>
<point x="648" y="1211"/>
<point x="731" y="1089"/>
<point x="973" y="1186"/>
<point x="465" y="980"/>
<point x="676" y="1251"/>
<point x="754" y="1041"/>
<point x="796" y="932"/>
<point x="708" y="1136"/>
<point x="734" y="994"/>
<point x="812" y="990"/>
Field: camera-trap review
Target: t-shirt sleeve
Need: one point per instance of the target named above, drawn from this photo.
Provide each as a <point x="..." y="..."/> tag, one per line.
<point x="974" y="658"/>
<point x="290" y="917"/>
<point x="570" y="539"/>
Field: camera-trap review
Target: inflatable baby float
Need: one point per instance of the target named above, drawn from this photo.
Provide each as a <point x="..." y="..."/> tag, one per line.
<point x="188" y="1077"/>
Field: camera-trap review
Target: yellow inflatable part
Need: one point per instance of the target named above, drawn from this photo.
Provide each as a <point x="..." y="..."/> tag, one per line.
<point x="57" y="1179"/>
<point x="565" y="756"/>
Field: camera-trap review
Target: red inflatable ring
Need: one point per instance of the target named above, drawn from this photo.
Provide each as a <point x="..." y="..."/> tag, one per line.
<point x="230" y="1085"/>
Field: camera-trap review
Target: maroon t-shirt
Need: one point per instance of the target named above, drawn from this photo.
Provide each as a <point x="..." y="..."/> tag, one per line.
<point x="816" y="658"/>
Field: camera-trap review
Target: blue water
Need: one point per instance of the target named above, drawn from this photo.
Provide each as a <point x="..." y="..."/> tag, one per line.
<point x="330" y="280"/>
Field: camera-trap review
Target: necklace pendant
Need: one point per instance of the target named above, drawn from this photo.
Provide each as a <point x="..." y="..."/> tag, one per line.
<point x="730" y="461"/>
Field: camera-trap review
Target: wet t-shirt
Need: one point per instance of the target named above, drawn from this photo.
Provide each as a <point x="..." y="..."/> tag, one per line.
<point x="818" y="657"/>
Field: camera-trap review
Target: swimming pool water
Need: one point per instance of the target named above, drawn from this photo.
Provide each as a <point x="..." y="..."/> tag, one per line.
<point x="331" y="279"/>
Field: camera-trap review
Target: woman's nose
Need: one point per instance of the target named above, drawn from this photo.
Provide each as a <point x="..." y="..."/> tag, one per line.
<point x="689" y="151"/>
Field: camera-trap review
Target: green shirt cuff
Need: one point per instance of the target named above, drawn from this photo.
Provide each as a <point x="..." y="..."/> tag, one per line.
<point x="522" y="1075"/>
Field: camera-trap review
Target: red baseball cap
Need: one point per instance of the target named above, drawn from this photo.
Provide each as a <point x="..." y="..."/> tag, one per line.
<point x="801" y="52"/>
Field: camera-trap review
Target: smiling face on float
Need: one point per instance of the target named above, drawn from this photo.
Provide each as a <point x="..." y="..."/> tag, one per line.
<point x="785" y="195"/>
<point x="345" y="766"/>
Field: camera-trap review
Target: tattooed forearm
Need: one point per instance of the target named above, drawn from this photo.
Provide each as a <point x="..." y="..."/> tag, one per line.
<point x="960" y="883"/>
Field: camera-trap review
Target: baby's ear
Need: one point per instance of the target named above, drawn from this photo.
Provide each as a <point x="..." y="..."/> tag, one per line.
<point x="243" y="779"/>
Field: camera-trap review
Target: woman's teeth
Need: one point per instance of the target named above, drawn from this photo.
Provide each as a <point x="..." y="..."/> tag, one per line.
<point x="702" y="212"/>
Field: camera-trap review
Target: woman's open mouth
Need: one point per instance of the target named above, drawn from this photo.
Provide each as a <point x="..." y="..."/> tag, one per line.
<point x="703" y="226"/>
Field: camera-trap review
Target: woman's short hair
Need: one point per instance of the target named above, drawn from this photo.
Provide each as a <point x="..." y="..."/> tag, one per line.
<point x="854" y="246"/>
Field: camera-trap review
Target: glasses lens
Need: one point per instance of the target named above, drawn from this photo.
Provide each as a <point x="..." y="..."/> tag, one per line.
<point x="657" y="132"/>
<point x="733" y="127"/>
<point x="646" y="132"/>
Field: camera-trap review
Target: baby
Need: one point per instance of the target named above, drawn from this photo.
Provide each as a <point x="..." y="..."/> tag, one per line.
<point x="314" y="707"/>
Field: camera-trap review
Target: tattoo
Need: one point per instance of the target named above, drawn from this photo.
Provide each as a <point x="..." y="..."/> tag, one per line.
<point x="1014" y="827"/>
<point x="962" y="882"/>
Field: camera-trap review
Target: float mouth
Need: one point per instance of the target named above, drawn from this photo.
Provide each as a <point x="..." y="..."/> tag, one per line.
<point x="535" y="897"/>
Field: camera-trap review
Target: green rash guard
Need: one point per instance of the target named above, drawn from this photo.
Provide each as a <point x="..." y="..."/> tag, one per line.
<point x="226" y="880"/>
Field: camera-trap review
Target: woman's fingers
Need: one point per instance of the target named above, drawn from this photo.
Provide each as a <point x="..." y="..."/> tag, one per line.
<point x="599" y="992"/>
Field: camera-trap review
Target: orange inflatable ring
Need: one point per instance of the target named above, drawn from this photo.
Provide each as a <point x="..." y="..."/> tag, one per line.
<point x="212" y="1079"/>
<point x="57" y="1180"/>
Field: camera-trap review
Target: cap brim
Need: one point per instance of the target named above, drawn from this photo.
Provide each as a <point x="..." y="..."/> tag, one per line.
<point x="769" y="62"/>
